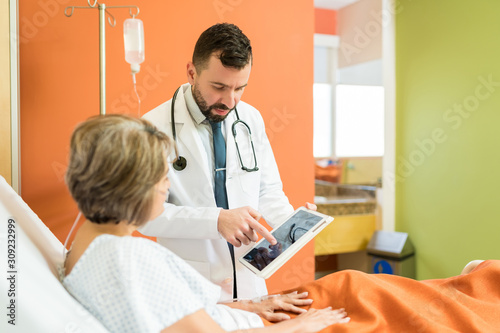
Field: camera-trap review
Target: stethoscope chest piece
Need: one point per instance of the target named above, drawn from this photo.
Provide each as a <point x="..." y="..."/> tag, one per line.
<point x="180" y="163"/>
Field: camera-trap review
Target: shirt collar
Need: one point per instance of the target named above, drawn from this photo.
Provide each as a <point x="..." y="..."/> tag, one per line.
<point x="193" y="108"/>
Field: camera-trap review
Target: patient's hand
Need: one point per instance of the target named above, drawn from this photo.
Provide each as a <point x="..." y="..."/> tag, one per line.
<point x="315" y="320"/>
<point x="267" y="305"/>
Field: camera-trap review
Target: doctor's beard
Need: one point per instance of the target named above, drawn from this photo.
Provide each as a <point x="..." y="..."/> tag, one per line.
<point x="207" y="110"/>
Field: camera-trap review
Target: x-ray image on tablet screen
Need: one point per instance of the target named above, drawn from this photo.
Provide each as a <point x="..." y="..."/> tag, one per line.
<point x="286" y="235"/>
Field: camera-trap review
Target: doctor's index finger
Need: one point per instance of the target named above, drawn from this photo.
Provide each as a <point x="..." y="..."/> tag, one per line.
<point x="261" y="230"/>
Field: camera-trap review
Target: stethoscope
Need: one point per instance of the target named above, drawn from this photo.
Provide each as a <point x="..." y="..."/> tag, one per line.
<point x="180" y="163"/>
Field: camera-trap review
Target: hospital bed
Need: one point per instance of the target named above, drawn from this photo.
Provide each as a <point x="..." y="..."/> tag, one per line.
<point x="467" y="303"/>
<point x="30" y="280"/>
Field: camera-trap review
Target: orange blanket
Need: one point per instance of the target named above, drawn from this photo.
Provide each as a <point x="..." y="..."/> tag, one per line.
<point x="388" y="303"/>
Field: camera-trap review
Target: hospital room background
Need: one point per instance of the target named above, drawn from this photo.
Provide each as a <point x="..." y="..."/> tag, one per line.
<point x="438" y="178"/>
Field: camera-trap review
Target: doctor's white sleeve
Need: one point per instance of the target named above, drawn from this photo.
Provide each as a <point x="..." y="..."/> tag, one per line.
<point x="184" y="222"/>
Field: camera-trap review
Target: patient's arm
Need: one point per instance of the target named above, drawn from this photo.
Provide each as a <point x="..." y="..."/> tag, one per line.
<point x="312" y="321"/>
<point x="267" y="305"/>
<point x="199" y="321"/>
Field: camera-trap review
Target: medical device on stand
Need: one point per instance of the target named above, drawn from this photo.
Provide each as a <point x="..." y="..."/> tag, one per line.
<point x="103" y="10"/>
<point x="133" y="37"/>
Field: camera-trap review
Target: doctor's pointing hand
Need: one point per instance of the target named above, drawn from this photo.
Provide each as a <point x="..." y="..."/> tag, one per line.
<point x="241" y="225"/>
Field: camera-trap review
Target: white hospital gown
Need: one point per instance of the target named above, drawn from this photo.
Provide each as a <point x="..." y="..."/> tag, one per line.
<point x="132" y="284"/>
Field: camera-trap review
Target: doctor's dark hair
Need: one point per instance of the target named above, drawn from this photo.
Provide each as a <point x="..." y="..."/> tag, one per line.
<point x="228" y="42"/>
<point x="114" y="164"/>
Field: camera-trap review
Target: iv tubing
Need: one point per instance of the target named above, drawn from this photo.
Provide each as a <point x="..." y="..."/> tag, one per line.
<point x="137" y="94"/>
<point x="70" y="232"/>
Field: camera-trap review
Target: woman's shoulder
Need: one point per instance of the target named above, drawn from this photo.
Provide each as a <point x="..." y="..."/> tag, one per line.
<point x="112" y="252"/>
<point x="128" y="246"/>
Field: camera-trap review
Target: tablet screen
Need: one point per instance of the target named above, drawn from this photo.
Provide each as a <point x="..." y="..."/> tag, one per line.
<point x="286" y="234"/>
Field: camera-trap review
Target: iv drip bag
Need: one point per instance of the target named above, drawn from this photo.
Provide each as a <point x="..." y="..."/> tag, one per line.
<point x="133" y="35"/>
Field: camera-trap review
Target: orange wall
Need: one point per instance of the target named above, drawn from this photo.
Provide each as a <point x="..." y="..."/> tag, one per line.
<point x="325" y="21"/>
<point x="59" y="88"/>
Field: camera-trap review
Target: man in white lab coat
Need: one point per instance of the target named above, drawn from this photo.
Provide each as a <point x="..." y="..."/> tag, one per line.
<point x="193" y="225"/>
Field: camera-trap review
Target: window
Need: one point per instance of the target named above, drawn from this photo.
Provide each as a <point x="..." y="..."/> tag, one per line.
<point x="359" y="128"/>
<point x="348" y="104"/>
<point x="322" y="101"/>
<point x="325" y="78"/>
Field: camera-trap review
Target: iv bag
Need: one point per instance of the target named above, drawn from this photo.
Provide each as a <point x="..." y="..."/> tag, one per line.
<point x="133" y="35"/>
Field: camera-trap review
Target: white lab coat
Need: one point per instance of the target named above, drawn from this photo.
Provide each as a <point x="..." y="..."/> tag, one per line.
<point x="188" y="226"/>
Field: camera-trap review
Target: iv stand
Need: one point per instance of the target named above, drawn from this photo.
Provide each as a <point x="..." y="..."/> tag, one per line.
<point x="103" y="9"/>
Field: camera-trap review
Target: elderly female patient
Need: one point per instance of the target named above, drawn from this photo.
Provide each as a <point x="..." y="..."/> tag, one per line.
<point x="117" y="174"/>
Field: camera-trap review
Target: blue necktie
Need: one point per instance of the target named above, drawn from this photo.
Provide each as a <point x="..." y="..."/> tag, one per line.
<point x="220" y="183"/>
<point x="220" y="166"/>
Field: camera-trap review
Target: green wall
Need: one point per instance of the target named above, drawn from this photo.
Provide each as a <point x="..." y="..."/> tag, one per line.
<point x="448" y="131"/>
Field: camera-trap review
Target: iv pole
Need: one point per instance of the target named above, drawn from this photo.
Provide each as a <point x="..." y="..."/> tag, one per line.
<point x="103" y="9"/>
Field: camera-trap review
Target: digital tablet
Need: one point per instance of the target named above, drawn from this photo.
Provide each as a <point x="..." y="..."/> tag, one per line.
<point x="299" y="228"/>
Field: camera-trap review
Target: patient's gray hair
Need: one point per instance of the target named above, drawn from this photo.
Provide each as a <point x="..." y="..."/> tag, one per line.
<point x="115" y="162"/>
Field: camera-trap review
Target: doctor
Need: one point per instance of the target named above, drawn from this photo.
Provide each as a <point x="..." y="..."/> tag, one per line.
<point x="207" y="225"/>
